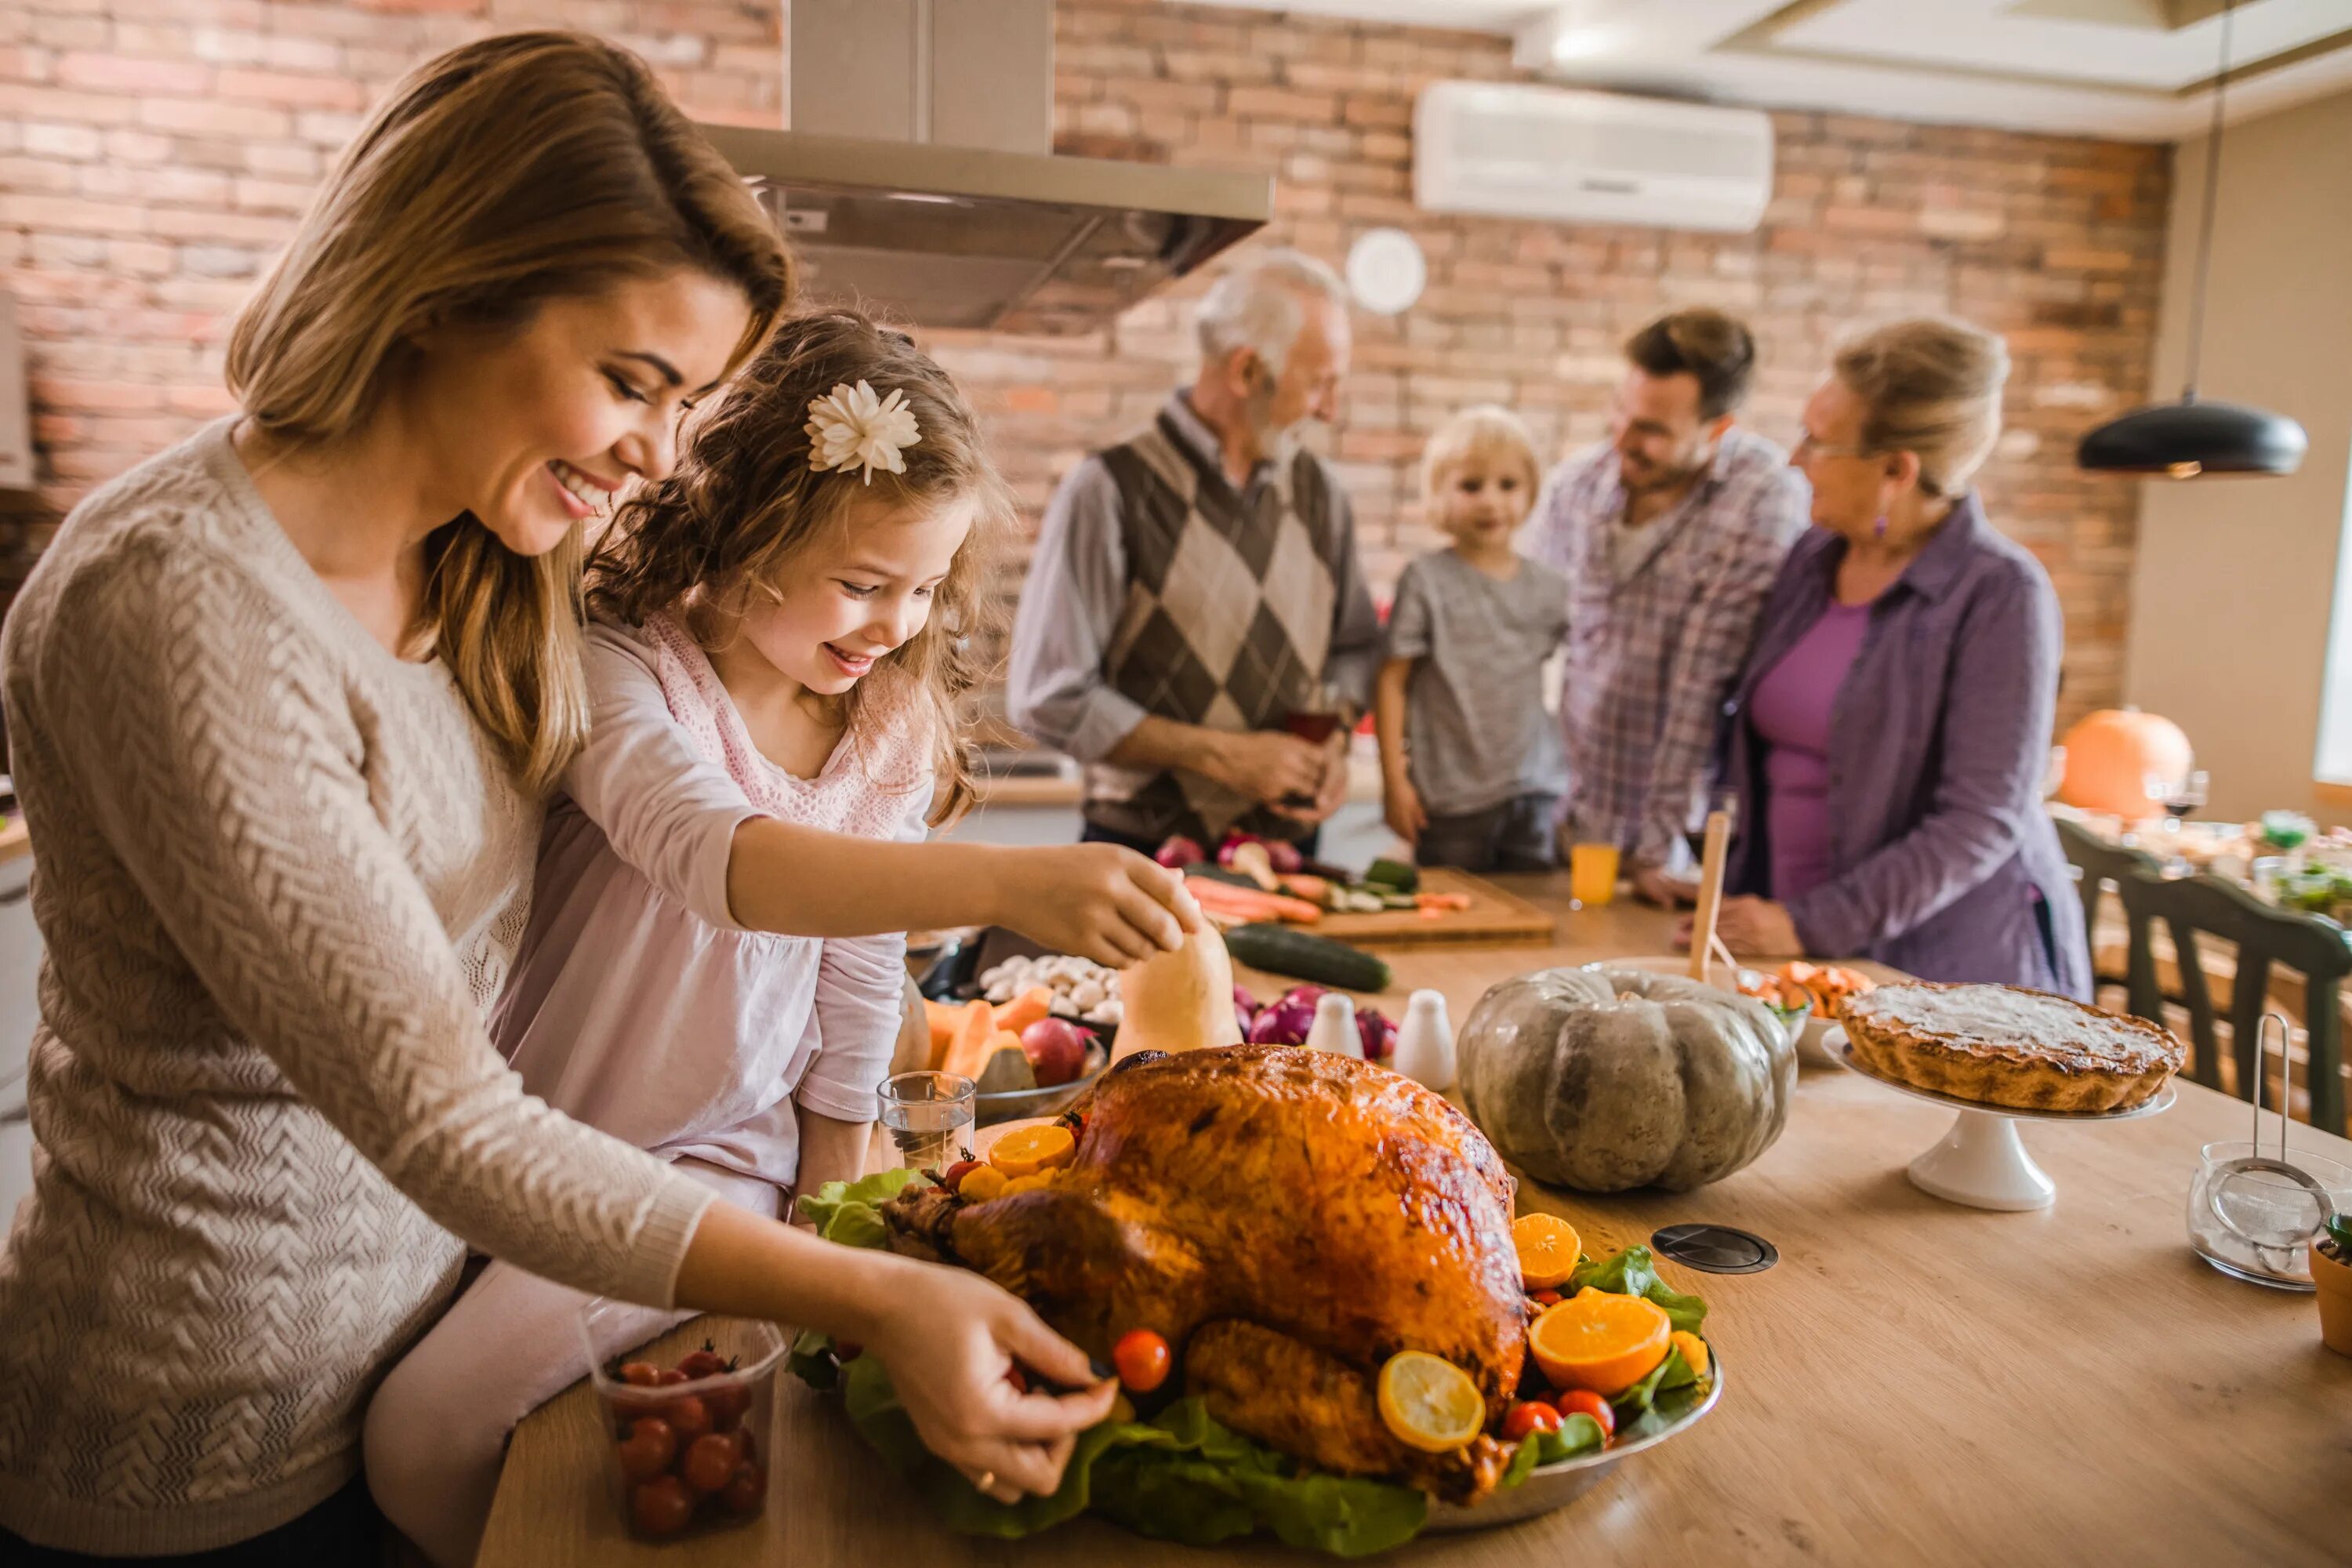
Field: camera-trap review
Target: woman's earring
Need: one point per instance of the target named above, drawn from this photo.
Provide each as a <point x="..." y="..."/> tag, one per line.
<point x="1879" y="529"/>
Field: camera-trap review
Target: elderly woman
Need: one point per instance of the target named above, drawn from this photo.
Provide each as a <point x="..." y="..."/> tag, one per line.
<point x="1889" y="731"/>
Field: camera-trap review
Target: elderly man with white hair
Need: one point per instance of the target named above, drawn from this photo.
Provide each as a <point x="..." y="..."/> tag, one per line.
<point x="1196" y="601"/>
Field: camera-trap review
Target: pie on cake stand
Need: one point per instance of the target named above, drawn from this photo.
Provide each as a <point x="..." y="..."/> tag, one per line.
<point x="1998" y="1055"/>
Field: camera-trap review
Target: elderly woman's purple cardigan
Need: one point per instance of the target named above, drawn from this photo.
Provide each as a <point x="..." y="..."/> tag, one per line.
<point x="1943" y="860"/>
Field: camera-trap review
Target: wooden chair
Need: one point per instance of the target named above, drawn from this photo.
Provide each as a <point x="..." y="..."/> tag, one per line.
<point x="2101" y="867"/>
<point x="2195" y="908"/>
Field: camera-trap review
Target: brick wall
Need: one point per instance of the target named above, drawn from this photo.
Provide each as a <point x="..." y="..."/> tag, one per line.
<point x="156" y="153"/>
<point x="153" y="152"/>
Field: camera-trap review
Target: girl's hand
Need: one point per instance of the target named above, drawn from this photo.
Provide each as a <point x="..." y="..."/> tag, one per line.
<point x="948" y="1347"/>
<point x="1400" y="804"/>
<point x="1098" y="901"/>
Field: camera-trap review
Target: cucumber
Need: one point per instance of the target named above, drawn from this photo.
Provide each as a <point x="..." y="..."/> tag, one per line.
<point x="1278" y="949"/>
<point x="1394" y="874"/>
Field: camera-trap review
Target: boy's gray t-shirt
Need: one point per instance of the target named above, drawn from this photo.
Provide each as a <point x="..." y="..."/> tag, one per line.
<point x="1475" y="729"/>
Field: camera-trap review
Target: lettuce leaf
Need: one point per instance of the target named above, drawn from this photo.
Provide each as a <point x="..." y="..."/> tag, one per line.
<point x="1633" y="1272"/>
<point x="1182" y="1476"/>
<point x="1578" y="1434"/>
<point x="851" y="1212"/>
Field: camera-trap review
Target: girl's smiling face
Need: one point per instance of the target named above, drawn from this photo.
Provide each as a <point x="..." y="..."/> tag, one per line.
<point x="859" y="591"/>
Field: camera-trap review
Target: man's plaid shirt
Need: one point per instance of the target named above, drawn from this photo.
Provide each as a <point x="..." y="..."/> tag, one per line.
<point x="1651" y="656"/>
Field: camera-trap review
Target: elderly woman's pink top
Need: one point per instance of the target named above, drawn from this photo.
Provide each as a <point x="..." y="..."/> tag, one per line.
<point x="637" y="1003"/>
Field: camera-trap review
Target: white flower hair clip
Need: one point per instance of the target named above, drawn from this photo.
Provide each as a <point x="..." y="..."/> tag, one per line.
<point x="849" y="428"/>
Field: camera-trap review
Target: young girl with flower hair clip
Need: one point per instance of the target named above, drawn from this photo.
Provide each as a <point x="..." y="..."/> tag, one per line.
<point x="715" y="966"/>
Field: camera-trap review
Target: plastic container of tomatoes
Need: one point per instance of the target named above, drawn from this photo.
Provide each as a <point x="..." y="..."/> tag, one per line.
<point x="684" y="1438"/>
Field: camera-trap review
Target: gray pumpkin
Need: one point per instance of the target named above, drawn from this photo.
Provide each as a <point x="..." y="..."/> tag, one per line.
<point x="1603" y="1079"/>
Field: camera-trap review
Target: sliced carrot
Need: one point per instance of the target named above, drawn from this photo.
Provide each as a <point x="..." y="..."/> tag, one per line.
<point x="1025" y="1009"/>
<point x="1441" y="901"/>
<point x="1298" y="885"/>
<point x="1216" y="896"/>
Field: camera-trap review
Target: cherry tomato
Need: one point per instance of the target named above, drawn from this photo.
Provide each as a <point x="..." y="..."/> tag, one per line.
<point x="640" y="1374"/>
<point x="1545" y="1298"/>
<point x="671" y="1378"/>
<point x="849" y="1350"/>
<point x="727" y="1404"/>
<point x="703" y="1363"/>
<point x="689" y="1415"/>
<point x="1528" y="1416"/>
<point x="709" y="1463"/>
<point x="747" y="1488"/>
<point x="661" y="1507"/>
<point x="1585" y="1402"/>
<point x="955" y="1173"/>
<point x="1017" y="1378"/>
<point x="1142" y="1359"/>
<point x="648" y="1448"/>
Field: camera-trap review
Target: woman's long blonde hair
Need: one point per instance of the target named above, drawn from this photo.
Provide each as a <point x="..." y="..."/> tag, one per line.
<point x="722" y="528"/>
<point x="494" y="178"/>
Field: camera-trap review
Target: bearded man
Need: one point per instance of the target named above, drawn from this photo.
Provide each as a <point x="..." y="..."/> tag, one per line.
<point x="1669" y="533"/>
<point x="1196" y="626"/>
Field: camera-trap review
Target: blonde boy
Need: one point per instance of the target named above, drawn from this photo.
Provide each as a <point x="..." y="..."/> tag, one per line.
<point x="1471" y="764"/>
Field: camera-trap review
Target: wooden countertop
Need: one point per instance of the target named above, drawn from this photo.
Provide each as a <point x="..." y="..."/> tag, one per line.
<point x="1915" y="1382"/>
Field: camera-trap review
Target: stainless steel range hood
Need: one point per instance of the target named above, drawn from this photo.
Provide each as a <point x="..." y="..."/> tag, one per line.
<point x="918" y="182"/>
<point x="969" y="236"/>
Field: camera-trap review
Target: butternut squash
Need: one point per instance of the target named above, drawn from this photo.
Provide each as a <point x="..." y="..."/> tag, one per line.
<point x="1025" y="1009"/>
<point x="1180" y="1001"/>
<point x="969" y="1044"/>
<point x="942" y="1018"/>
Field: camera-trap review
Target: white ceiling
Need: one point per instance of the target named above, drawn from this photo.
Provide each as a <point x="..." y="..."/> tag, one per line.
<point x="2138" y="68"/>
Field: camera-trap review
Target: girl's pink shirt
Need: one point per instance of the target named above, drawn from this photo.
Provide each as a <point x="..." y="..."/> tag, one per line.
<point x="637" y="1004"/>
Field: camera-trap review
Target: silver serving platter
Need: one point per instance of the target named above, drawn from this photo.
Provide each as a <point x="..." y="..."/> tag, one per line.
<point x="1554" y="1487"/>
<point x="1019" y="1104"/>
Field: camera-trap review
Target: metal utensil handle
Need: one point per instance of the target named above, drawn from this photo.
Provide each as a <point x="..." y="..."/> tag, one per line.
<point x="2262" y="1058"/>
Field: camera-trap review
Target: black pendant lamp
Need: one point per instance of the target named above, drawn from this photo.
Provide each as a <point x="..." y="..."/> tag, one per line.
<point x="2186" y="438"/>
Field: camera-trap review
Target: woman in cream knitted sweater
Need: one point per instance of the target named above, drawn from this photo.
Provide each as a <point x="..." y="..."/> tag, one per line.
<point x="280" y="727"/>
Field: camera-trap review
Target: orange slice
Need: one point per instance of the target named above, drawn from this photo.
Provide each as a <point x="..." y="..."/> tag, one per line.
<point x="1429" y="1402"/>
<point x="1693" y="1349"/>
<point x="1026" y="1150"/>
<point x="1548" y="1247"/>
<point x="1597" y="1340"/>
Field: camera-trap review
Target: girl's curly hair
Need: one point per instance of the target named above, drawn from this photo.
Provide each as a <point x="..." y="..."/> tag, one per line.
<point x="722" y="529"/>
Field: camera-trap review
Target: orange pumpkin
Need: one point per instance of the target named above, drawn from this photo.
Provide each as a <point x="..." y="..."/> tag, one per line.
<point x="2111" y="752"/>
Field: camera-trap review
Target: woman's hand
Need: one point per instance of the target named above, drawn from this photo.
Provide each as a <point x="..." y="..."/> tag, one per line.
<point x="1758" y="928"/>
<point x="1653" y="885"/>
<point x="949" y="1347"/>
<point x="1400" y="804"/>
<point x="1098" y="901"/>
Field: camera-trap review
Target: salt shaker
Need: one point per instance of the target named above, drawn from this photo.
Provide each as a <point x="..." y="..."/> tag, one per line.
<point x="1425" y="1049"/>
<point x="1334" y="1028"/>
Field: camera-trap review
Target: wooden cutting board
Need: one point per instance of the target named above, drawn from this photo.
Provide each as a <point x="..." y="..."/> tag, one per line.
<point x="1494" y="915"/>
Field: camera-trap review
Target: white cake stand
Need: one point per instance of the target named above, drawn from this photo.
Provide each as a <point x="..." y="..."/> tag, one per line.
<point x="1982" y="1162"/>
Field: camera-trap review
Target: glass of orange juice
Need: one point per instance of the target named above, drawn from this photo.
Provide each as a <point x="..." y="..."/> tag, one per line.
<point x="1592" y="874"/>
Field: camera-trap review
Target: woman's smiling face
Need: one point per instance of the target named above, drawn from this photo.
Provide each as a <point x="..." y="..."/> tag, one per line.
<point x="859" y="590"/>
<point x="534" y="432"/>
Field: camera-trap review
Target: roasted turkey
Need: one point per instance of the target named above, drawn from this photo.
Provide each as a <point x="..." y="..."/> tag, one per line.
<point x="1288" y="1219"/>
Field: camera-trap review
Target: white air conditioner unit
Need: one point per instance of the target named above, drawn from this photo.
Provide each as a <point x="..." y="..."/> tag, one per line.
<point x="1512" y="151"/>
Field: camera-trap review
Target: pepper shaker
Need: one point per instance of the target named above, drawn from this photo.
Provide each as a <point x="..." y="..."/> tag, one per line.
<point x="1424" y="1049"/>
<point x="1334" y="1029"/>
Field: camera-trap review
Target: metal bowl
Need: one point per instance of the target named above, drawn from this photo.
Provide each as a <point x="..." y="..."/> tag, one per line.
<point x="1554" y="1487"/>
<point x="1012" y="1105"/>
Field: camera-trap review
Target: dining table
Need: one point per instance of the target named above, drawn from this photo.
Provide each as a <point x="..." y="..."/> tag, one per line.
<point x="1912" y="1381"/>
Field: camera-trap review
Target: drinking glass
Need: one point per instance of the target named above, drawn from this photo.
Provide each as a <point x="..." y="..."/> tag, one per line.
<point x="1592" y="874"/>
<point x="927" y="1113"/>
